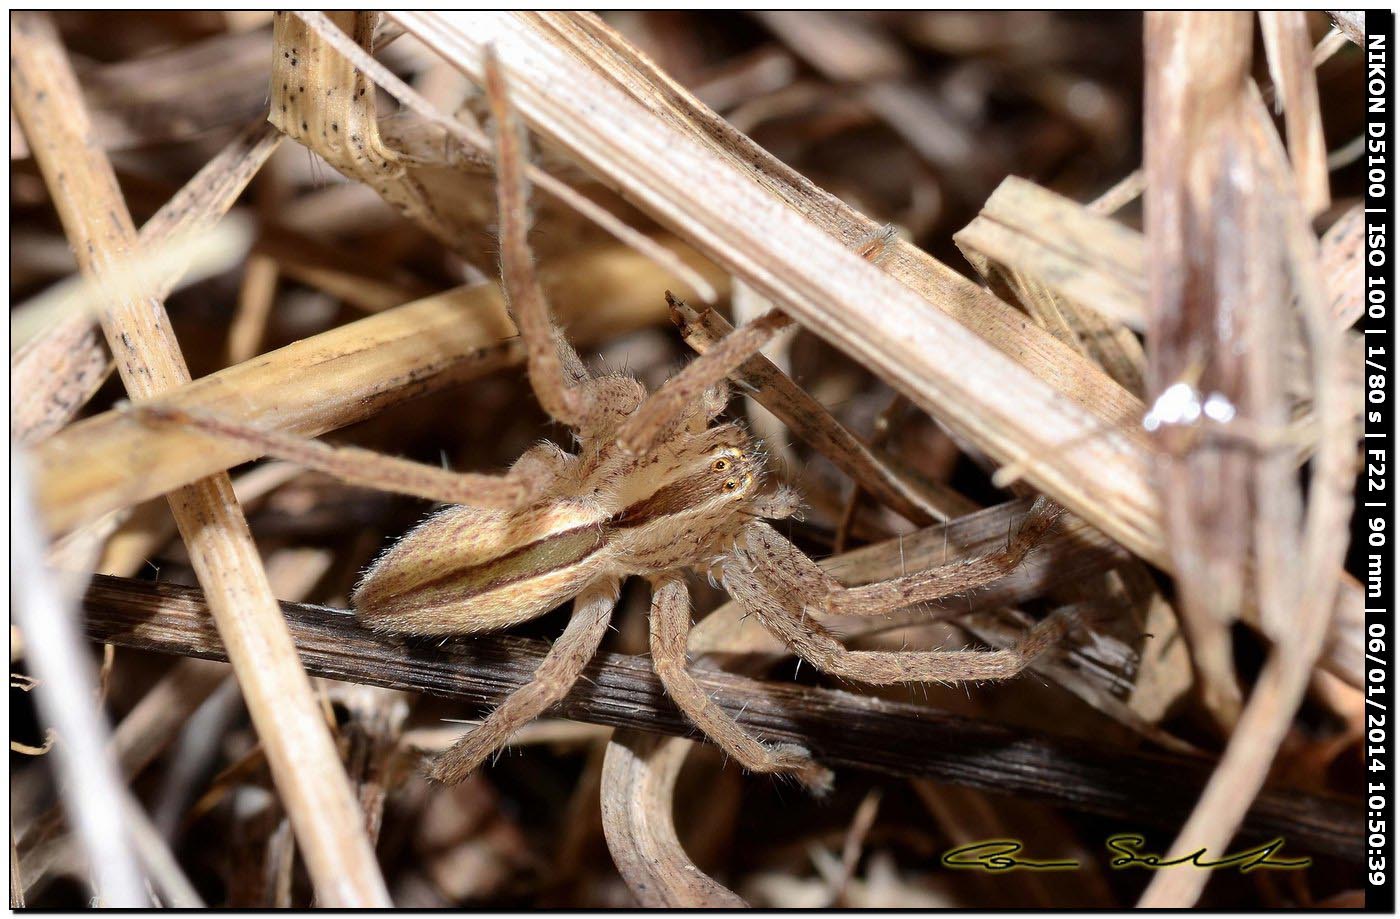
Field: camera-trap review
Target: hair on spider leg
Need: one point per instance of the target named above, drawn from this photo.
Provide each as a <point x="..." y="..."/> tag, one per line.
<point x="744" y="386"/>
<point x="1038" y="677"/>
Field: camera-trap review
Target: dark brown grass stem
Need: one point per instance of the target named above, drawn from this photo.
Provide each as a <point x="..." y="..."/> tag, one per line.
<point x="843" y="729"/>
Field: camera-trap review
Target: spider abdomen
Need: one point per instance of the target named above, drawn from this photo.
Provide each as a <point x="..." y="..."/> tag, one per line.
<point x="468" y="570"/>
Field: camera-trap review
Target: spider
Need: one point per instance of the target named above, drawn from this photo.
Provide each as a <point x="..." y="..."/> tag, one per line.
<point x="655" y="489"/>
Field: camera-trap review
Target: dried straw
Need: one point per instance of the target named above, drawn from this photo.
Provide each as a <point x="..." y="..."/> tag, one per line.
<point x="303" y="758"/>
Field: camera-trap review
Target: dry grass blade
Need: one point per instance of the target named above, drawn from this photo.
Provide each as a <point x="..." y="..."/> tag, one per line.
<point x="340" y="60"/>
<point x="303" y="758"/>
<point x="66" y="690"/>
<point x="639" y="778"/>
<point x="1197" y="65"/>
<point x="180" y="93"/>
<point x="1080" y="275"/>
<point x="845" y="729"/>
<point x="322" y="102"/>
<point x="1095" y="262"/>
<point x="1296" y="610"/>
<point x="1102" y="264"/>
<point x="56" y="372"/>
<point x="851" y="847"/>
<point x="1289" y="51"/>
<point x="1084" y="256"/>
<point x="1123" y="192"/>
<point x="192" y="257"/>
<point x="1342" y="267"/>
<point x="75" y="363"/>
<point x="169" y="880"/>
<point x="213" y="190"/>
<point x="1130" y="187"/>
<point x="933" y="335"/>
<point x="256" y="297"/>
<point x="331" y="380"/>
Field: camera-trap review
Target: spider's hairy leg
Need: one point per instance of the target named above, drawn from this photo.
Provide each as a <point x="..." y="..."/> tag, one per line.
<point x="778" y="562"/>
<point x="711" y="403"/>
<point x="556" y="373"/>
<point x="670" y="627"/>
<point x="936" y="583"/>
<point x="353" y="465"/>
<point x="552" y="681"/>
<point x="663" y="408"/>
<point x="782" y="612"/>
<point x="782" y="503"/>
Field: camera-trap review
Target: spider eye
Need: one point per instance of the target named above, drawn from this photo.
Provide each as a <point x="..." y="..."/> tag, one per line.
<point x="731" y="484"/>
<point x="720" y="464"/>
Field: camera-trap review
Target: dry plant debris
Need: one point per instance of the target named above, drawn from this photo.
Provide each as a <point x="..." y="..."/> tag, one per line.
<point x="990" y="259"/>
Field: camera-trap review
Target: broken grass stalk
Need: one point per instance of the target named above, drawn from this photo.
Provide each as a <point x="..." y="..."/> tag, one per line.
<point x="305" y="765"/>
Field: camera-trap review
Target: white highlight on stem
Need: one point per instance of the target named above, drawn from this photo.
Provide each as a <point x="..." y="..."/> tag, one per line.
<point x="1180" y="403"/>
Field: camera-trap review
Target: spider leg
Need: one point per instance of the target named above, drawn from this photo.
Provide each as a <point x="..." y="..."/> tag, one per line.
<point x="670" y="627"/>
<point x="711" y="403"/>
<point x="772" y="579"/>
<point x="552" y="681"/>
<point x="556" y="374"/>
<point x="783" y="616"/>
<point x="945" y="580"/>
<point x="777" y="562"/>
<point x="354" y="465"/>
<point x="678" y="395"/>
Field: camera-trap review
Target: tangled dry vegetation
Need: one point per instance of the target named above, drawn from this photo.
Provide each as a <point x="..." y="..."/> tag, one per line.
<point x="1121" y="275"/>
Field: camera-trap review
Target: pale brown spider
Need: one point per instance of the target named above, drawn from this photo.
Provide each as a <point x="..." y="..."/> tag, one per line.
<point x="653" y="490"/>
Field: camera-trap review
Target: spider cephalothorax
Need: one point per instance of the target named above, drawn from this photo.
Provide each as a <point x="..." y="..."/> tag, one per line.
<point x="654" y="489"/>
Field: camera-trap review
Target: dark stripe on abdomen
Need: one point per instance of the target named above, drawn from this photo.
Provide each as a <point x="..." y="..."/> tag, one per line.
<point x="560" y="550"/>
